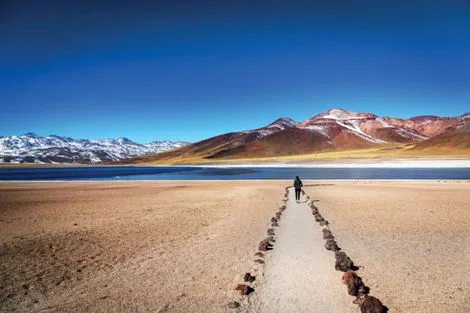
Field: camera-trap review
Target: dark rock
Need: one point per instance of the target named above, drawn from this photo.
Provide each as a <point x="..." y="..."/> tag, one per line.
<point x="278" y="215"/>
<point x="343" y="262"/>
<point x="318" y="218"/>
<point x="259" y="254"/>
<point x="270" y="232"/>
<point x="233" y="305"/>
<point x="244" y="289"/>
<point x="324" y="223"/>
<point x="331" y="245"/>
<point x="353" y="282"/>
<point x="275" y="224"/>
<point x="369" y="304"/>
<point x="248" y="278"/>
<point x="264" y="245"/>
<point x="363" y="290"/>
<point x="259" y="261"/>
<point x="327" y="234"/>
<point x="273" y="220"/>
<point x="270" y="239"/>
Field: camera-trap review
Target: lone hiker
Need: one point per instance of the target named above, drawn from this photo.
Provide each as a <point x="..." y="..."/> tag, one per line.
<point x="298" y="187"/>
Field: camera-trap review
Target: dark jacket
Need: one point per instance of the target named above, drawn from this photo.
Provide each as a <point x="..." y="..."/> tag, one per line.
<point x="297" y="183"/>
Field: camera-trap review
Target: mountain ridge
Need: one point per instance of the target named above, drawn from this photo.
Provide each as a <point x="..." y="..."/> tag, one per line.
<point x="32" y="148"/>
<point x="333" y="130"/>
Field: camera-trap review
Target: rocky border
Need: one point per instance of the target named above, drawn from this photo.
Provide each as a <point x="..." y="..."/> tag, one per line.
<point x="246" y="288"/>
<point x="354" y="283"/>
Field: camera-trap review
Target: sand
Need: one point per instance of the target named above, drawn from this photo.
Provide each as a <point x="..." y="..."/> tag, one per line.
<point x="183" y="246"/>
<point x="300" y="276"/>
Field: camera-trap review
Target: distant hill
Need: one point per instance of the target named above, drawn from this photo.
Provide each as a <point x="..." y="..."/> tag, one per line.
<point x="31" y="148"/>
<point x="457" y="138"/>
<point x="333" y="130"/>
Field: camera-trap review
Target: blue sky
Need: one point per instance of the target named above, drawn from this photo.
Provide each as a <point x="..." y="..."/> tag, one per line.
<point x="179" y="71"/>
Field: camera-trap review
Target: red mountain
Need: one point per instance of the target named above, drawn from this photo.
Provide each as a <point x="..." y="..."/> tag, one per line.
<point x="335" y="129"/>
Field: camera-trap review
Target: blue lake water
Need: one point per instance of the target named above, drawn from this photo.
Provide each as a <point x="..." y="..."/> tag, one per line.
<point x="205" y="173"/>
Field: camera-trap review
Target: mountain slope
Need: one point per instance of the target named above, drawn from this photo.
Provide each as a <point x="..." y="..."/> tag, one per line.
<point x="457" y="138"/>
<point x="333" y="130"/>
<point x="367" y="126"/>
<point x="31" y="148"/>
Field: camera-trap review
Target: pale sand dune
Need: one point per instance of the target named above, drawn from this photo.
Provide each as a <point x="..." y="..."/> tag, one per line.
<point x="183" y="246"/>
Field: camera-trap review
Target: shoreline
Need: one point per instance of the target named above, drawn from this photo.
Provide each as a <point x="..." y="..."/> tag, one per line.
<point x="344" y="163"/>
<point x="369" y="180"/>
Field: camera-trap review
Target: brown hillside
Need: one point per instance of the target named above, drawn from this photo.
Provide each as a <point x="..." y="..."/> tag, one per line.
<point x="333" y="130"/>
<point x="455" y="140"/>
<point x="290" y="141"/>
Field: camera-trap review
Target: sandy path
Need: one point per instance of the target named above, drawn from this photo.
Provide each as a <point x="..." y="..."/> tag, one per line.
<point x="299" y="275"/>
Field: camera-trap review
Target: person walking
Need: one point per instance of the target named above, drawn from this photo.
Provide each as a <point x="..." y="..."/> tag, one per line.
<point x="298" y="187"/>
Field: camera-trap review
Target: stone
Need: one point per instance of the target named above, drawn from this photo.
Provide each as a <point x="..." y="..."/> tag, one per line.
<point x="327" y="234"/>
<point x="353" y="282"/>
<point x="259" y="254"/>
<point x="318" y="218"/>
<point x="244" y="289"/>
<point x="273" y="220"/>
<point x="369" y="304"/>
<point x="264" y="245"/>
<point x="270" y="232"/>
<point x="249" y="278"/>
<point x="343" y="262"/>
<point x="331" y="245"/>
<point x="259" y="261"/>
<point x="324" y="223"/>
<point x="275" y="225"/>
<point x="233" y="305"/>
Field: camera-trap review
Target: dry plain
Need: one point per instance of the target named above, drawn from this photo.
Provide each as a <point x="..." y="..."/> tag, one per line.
<point x="182" y="246"/>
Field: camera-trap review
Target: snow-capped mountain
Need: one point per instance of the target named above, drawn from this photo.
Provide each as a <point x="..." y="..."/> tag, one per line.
<point x="335" y="129"/>
<point x="366" y="126"/>
<point x="31" y="148"/>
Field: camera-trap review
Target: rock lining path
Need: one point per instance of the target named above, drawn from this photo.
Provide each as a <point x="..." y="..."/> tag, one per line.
<point x="299" y="274"/>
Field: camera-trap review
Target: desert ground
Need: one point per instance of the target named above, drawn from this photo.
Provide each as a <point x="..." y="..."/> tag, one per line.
<point x="183" y="246"/>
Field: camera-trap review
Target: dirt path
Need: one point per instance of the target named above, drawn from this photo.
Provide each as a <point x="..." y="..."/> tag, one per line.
<point x="300" y="275"/>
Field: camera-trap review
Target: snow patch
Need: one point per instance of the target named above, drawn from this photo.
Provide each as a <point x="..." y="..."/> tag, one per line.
<point x="355" y="128"/>
<point x="323" y="130"/>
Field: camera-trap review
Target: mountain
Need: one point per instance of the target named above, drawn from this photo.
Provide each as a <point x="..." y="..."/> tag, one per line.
<point x="31" y="148"/>
<point x="356" y="130"/>
<point x="333" y="130"/>
<point x="456" y="138"/>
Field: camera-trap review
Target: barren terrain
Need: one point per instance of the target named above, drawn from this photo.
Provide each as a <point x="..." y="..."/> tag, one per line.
<point x="183" y="246"/>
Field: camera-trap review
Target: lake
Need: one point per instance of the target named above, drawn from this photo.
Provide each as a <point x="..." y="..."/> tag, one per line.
<point x="223" y="173"/>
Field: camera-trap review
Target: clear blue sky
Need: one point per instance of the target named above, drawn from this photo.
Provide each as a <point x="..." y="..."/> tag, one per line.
<point x="177" y="71"/>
